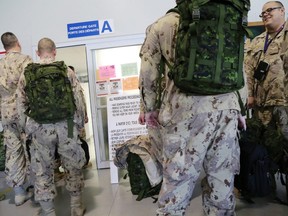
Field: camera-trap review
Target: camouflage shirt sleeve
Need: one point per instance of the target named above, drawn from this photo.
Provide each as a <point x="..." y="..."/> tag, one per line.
<point x="141" y="106"/>
<point x="79" y="117"/>
<point x="254" y="52"/>
<point x="22" y="102"/>
<point x="158" y="42"/>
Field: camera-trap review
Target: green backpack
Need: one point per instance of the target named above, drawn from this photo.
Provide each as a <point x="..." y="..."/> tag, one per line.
<point x="50" y="94"/>
<point x="139" y="181"/>
<point x="210" y="46"/>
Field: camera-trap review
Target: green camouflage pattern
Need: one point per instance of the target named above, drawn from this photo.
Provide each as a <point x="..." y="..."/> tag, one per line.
<point x="49" y="92"/>
<point x="275" y="143"/>
<point x="138" y="178"/>
<point x="139" y="156"/>
<point x="210" y="51"/>
<point x="271" y="137"/>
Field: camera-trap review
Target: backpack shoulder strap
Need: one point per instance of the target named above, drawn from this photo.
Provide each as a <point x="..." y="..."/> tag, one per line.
<point x="175" y="9"/>
<point x="29" y="71"/>
<point x="161" y="72"/>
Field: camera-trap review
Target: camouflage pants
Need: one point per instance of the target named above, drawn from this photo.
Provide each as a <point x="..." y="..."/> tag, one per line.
<point x="2" y="152"/>
<point x="156" y="143"/>
<point x="17" y="164"/>
<point x="276" y="115"/>
<point x="45" y="139"/>
<point x="207" y="140"/>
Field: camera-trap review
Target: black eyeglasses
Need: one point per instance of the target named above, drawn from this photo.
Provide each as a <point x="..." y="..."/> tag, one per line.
<point x="268" y="10"/>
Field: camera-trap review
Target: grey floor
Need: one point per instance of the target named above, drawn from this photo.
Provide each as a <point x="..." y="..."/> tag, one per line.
<point x="102" y="198"/>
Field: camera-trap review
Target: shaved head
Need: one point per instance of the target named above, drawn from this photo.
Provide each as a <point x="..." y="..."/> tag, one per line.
<point x="46" y="45"/>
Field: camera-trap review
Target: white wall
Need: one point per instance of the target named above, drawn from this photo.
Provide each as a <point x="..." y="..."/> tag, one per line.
<point x="31" y="20"/>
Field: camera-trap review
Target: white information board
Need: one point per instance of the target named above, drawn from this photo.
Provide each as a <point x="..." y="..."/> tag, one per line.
<point x="123" y="112"/>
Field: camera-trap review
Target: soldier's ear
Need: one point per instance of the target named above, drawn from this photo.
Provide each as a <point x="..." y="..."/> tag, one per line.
<point x="38" y="53"/>
<point x="19" y="45"/>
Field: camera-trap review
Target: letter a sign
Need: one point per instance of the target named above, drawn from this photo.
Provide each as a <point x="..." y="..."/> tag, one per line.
<point x="90" y="28"/>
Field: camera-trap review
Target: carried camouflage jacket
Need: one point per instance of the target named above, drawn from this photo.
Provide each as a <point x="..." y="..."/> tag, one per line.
<point x="273" y="91"/>
<point x="161" y="40"/>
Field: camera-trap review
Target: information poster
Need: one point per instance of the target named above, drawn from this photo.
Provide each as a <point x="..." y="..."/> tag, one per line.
<point x="115" y="86"/>
<point x="129" y="69"/>
<point x="102" y="87"/>
<point x="123" y="112"/>
<point x="106" y="72"/>
<point x="130" y="83"/>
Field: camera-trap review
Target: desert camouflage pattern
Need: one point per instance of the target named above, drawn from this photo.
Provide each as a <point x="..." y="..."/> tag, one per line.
<point x="271" y="95"/>
<point x="47" y="137"/>
<point x="205" y="140"/>
<point x="195" y="131"/>
<point x="2" y="152"/>
<point x="142" y="146"/>
<point x="155" y="138"/>
<point x="274" y="115"/>
<point x="11" y="67"/>
<point x="273" y="90"/>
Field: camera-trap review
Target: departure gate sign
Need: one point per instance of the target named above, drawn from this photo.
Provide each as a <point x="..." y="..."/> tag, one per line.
<point x="90" y="28"/>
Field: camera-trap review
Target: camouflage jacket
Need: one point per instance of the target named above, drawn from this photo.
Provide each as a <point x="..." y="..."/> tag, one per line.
<point x="161" y="40"/>
<point x="273" y="91"/>
<point x="22" y="100"/>
<point x="11" y="67"/>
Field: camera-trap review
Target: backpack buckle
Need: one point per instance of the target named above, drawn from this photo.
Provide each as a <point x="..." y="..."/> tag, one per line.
<point x="244" y="21"/>
<point x="196" y="14"/>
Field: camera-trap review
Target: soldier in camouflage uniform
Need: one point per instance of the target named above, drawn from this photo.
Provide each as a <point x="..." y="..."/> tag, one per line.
<point x="11" y="66"/>
<point x="45" y="139"/>
<point x="269" y="97"/>
<point x="196" y="131"/>
<point x="2" y="148"/>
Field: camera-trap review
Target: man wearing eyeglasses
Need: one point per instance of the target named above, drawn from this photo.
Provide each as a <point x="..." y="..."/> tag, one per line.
<point x="266" y="67"/>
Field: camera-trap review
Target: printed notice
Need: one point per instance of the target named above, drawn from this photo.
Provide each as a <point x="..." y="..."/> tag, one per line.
<point x="102" y="87"/>
<point x="115" y="86"/>
<point x="123" y="112"/>
<point x="129" y="69"/>
<point x="106" y="72"/>
<point x="90" y="28"/>
<point x="130" y="83"/>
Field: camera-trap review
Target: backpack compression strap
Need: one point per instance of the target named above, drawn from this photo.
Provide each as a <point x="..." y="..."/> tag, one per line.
<point x="193" y="29"/>
<point x="31" y="74"/>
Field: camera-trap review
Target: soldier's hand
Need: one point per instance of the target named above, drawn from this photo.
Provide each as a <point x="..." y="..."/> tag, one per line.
<point x="242" y="122"/>
<point x="151" y="119"/>
<point x="250" y="102"/>
<point x="141" y="118"/>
